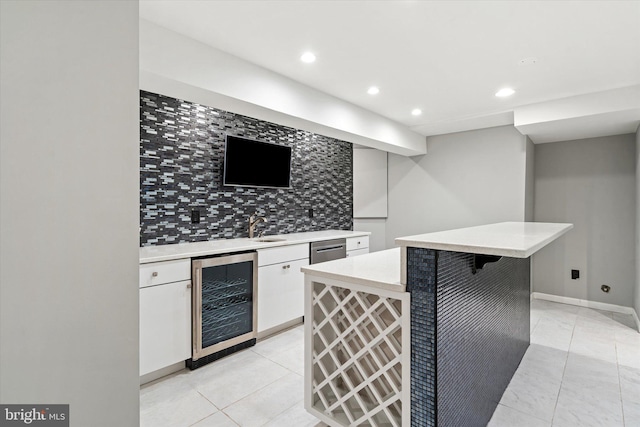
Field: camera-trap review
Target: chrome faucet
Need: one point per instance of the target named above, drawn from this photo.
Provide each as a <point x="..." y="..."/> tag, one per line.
<point x="254" y="220"/>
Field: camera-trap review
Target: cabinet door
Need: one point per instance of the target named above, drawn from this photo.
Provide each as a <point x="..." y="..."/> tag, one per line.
<point x="369" y="183"/>
<point x="293" y="290"/>
<point x="354" y="243"/>
<point x="357" y="252"/>
<point x="269" y="297"/>
<point x="280" y="293"/>
<point x="165" y="325"/>
<point x="158" y="273"/>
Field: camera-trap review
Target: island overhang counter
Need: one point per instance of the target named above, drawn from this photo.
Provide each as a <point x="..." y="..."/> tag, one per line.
<point x="427" y="334"/>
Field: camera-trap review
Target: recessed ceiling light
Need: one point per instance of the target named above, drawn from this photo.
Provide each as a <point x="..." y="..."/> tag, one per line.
<point x="504" y="92"/>
<point x="373" y="90"/>
<point x="528" y="61"/>
<point x="308" y="57"/>
<point x="416" y="112"/>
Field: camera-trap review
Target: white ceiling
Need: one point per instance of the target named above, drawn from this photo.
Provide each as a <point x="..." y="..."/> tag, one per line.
<point x="447" y="58"/>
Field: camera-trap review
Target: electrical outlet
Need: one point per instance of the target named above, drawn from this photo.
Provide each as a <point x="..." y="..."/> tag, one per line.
<point x="195" y="216"/>
<point x="575" y="274"/>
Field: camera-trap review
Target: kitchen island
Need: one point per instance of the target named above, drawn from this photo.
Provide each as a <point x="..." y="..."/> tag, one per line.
<point x="428" y="334"/>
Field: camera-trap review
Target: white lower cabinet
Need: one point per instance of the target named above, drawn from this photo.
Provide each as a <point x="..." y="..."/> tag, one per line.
<point x="280" y="286"/>
<point x="357" y="246"/>
<point x="357" y="252"/>
<point x="165" y="325"/>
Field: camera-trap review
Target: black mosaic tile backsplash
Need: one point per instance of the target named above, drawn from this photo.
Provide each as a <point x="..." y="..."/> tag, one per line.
<point x="421" y="283"/>
<point x="181" y="161"/>
<point x="483" y="333"/>
<point x="468" y="334"/>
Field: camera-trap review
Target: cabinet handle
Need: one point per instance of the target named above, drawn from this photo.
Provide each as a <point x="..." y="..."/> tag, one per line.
<point x="154" y="274"/>
<point x="286" y="266"/>
<point x="189" y="285"/>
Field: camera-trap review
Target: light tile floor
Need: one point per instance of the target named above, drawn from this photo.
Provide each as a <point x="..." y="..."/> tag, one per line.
<point x="582" y="369"/>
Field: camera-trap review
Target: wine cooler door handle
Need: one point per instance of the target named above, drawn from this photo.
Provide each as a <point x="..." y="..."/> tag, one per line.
<point x="197" y="325"/>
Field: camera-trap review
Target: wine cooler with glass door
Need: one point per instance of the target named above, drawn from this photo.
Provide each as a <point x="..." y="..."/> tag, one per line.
<point x="224" y="306"/>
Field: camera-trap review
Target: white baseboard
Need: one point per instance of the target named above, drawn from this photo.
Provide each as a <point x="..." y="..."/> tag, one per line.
<point x="589" y="304"/>
<point x="280" y="328"/>
<point x="635" y="317"/>
<point x="162" y="372"/>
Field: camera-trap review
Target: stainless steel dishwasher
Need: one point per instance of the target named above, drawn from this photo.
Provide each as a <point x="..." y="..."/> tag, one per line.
<point x="328" y="250"/>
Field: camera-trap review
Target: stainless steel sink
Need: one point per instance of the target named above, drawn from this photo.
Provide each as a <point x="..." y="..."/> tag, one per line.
<point x="269" y="239"/>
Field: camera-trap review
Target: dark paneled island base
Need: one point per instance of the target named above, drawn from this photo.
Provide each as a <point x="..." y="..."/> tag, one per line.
<point x="469" y="332"/>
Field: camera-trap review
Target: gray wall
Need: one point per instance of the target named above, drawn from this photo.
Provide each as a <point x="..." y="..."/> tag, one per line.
<point x="590" y="183"/>
<point x="69" y="208"/>
<point x="466" y="179"/>
<point x="378" y="229"/>
<point x="637" y="260"/>
<point x="530" y="178"/>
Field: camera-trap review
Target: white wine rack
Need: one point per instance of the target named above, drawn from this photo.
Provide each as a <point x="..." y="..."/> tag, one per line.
<point x="357" y="355"/>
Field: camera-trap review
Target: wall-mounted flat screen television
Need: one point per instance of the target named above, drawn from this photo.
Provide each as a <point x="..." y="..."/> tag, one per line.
<point x="251" y="163"/>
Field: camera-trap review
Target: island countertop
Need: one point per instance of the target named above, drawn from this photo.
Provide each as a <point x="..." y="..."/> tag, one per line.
<point x="378" y="269"/>
<point x="510" y="239"/>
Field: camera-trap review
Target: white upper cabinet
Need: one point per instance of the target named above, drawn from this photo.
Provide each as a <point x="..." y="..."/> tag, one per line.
<point x="369" y="183"/>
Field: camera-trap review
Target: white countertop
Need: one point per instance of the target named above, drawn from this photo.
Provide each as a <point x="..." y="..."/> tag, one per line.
<point x="377" y="269"/>
<point x="510" y="239"/>
<point x="223" y="246"/>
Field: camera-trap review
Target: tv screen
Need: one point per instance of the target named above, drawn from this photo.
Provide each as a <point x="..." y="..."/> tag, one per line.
<point x="250" y="163"/>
